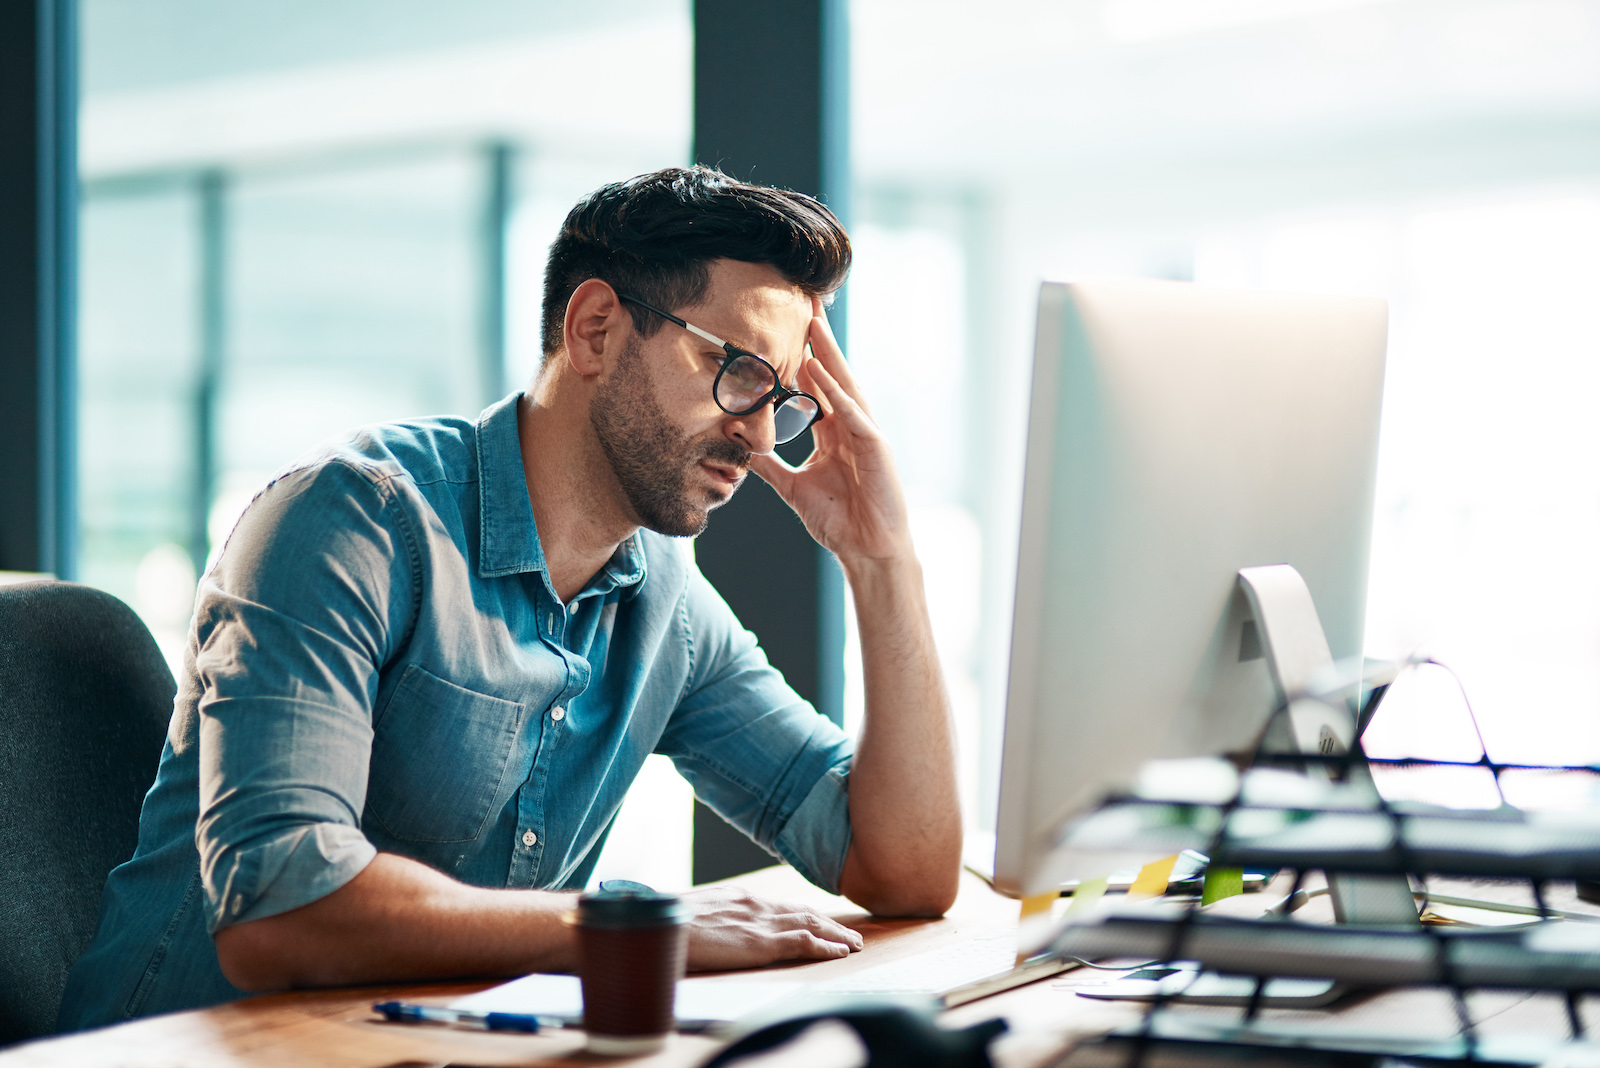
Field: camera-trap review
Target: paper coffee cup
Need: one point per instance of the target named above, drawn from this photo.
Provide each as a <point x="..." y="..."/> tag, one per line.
<point x="631" y="950"/>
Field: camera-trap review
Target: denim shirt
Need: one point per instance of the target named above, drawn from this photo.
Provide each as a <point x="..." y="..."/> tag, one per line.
<point x="378" y="661"/>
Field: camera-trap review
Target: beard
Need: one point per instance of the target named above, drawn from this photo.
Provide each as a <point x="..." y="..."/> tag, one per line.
<point x="653" y="461"/>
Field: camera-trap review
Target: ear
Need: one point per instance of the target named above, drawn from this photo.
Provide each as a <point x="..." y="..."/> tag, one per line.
<point x="596" y="323"/>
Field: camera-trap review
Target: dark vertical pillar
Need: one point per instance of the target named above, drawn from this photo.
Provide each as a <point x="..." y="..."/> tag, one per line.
<point x="499" y="161"/>
<point x="38" y="244"/>
<point x="212" y="192"/>
<point x="772" y="106"/>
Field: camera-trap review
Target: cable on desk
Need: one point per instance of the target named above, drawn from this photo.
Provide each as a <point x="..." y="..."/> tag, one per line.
<point x="1297" y="898"/>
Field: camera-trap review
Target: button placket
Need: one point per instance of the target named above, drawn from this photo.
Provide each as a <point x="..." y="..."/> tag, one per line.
<point x="527" y="857"/>
<point x="527" y="861"/>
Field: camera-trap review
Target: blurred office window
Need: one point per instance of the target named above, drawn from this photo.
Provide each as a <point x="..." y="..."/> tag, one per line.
<point x="300" y="216"/>
<point x="908" y="319"/>
<point x="1439" y="153"/>
<point x="139" y="362"/>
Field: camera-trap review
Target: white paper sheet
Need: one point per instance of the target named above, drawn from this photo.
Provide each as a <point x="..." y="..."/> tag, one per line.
<point x="699" y="1001"/>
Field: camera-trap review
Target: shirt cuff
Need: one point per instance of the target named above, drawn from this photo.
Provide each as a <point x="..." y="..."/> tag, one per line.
<point x="291" y="869"/>
<point x="817" y="836"/>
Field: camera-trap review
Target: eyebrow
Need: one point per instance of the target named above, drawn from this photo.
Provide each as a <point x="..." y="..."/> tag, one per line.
<point x="719" y="342"/>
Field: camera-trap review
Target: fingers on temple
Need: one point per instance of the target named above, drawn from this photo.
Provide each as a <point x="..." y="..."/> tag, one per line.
<point x="812" y="384"/>
<point x="826" y="348"/>
<point x="838" y="399"/>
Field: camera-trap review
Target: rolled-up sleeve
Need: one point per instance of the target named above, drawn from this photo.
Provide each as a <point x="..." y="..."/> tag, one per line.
<point x="757" y="753"/>
<point x="292" y="625"/>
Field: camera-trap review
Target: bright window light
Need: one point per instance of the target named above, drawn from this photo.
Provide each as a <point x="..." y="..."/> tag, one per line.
<point x="1144" y="20"/>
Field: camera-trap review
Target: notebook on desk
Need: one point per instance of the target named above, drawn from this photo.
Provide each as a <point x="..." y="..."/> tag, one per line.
<point x="948" y="975"/>
<point x="951" y="975"/>
<point x="701" y="1003"/>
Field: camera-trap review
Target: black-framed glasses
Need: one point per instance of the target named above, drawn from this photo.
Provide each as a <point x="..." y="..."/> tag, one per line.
<point x="745" y="382"/>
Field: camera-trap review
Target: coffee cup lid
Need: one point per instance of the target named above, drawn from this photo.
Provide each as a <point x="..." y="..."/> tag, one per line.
<point x="627" y="907"/>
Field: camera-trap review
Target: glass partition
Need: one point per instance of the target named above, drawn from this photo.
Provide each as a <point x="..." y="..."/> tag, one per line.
<point x="138" y="369"/>
<point x="302" y="217"/>
<point x="1438" y="153"/>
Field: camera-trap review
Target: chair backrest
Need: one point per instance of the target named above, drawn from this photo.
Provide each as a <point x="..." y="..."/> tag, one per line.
<point x="85" y="698"/>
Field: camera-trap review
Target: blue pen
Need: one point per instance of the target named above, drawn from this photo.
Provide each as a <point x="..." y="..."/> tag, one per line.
<point x="400" y="1012"/>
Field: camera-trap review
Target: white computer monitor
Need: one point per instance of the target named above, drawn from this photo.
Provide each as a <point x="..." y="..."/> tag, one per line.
<point x="1177" y="434"/>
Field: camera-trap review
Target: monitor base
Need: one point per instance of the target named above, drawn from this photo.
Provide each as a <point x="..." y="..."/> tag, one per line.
<point x="1184" y="983"/>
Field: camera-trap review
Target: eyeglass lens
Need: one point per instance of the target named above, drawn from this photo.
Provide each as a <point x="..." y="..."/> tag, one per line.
<point x="792" y="418"/>
<point x="745" y="381"/>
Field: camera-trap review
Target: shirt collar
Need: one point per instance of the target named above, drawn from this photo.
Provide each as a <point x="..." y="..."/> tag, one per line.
<point x="508" y="539"/>
<point x="626" y="568"/>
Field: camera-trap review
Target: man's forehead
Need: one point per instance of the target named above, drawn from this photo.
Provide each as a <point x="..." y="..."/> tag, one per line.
<point x="756" y="308"/>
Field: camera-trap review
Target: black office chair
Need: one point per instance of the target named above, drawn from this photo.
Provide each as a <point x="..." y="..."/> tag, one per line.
<point x="85" y="697"/>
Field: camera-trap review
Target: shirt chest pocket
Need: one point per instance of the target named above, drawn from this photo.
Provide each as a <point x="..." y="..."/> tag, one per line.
<point x="439" y="753"/>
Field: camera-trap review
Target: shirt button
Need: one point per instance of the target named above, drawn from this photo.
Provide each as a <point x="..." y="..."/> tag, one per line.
<point x="528" y="838"/>
<point x="573" y="607"/>
<point x="558" y="713"/>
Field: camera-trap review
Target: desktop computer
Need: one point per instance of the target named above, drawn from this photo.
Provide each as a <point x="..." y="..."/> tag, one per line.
<point x="1178" y="434"/>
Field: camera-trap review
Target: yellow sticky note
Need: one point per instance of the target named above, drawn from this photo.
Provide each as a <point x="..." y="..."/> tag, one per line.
<point x="1037" y="909"/>
<point x="1152" y="878"/>
<point x="1033" y="906"/>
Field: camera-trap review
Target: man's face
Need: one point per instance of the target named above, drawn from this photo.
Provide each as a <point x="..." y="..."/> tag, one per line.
<point x="675" y="453"/>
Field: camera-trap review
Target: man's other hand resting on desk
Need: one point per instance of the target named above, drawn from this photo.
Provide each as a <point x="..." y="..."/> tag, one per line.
<point x="402" y="918"/>
<point x="431" y="659"/>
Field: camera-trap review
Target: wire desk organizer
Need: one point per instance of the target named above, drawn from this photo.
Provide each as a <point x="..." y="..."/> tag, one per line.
<point x="1321" y="811"/>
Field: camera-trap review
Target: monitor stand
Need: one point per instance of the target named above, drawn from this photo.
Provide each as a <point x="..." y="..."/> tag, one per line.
<point x="1284" y="619"/>
<point x="1296" y="651"/>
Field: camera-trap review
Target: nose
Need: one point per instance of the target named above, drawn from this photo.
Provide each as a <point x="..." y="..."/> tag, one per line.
<point x="755" y="431"/>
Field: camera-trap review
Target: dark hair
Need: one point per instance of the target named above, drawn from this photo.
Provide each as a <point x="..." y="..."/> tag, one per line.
<point x="653" y="237"/>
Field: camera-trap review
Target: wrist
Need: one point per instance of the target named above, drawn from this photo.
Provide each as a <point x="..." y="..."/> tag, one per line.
<point x="551" y="940"/>
<point x="867" y="574"/>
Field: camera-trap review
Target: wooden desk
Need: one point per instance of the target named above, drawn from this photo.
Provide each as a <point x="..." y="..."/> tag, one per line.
<point x="337" y="1028"/>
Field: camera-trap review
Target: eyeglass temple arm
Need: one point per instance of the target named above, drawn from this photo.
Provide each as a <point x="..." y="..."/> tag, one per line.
<point x="714" y="339"/>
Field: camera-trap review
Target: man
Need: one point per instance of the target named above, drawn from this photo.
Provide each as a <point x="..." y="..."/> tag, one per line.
<point x="431" y="658"/>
